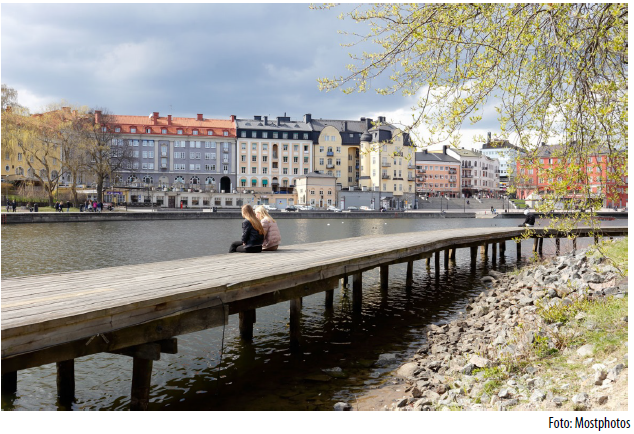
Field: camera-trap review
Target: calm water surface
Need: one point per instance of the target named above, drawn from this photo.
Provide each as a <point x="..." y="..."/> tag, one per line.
<point x="214" y="369"/>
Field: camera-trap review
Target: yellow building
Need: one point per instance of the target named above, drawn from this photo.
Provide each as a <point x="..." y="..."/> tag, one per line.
<point x="387" y="164"/>
<point x="316" y="189"/>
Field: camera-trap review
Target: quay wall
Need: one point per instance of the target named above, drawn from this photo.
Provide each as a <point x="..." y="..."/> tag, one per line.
<point x="51" y="217"/>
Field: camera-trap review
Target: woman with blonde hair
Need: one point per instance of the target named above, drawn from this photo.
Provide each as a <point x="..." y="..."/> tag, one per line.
<point x="272" y="236"/>
<point x="252" y="233"/>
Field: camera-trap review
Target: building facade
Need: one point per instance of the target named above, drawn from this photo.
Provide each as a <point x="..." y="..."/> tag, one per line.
<point x="479" y="174"/>
<point x="336" y="148"/>
<point x="171" y="154"/>
<point x="507" y="155"/>
<point x="437" y="174"/>
<point x="272" y="154"/>
<point x="316" y="189"/>
<point x="537" y="176"/>
<point x="387" y="164"/>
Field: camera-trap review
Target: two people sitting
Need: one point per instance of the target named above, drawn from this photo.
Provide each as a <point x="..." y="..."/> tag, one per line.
<point x="259" y="232"/>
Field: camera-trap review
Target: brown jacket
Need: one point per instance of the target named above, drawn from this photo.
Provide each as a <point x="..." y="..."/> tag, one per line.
<point x="272" y="235"/>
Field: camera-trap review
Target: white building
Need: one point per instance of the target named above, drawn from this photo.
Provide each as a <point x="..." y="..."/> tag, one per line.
<point x="480" y="174"/>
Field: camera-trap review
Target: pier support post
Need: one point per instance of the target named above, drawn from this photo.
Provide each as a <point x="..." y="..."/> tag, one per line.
<point x="141" y="379"/>
<point x="474" y="255"/>
<point x="246" y="321"/>
<point x="344" y="280"/>
<point x="357" y="291"/>
<point x="409" y="277"/>
<point x="518" y="249"/>
<point x="541" y="245"/>
<point x="66" y="380"/>
<point x="574" y="246"/>
<point x="452" y="254"/>
<point x="535" y="245"/>
<point x="446" y="259"/>
<point x="385" y="275"/>
<point x="557" y="246"/>
<point x="296" y="310"/>
<point x="494" y="251"/>
<point x="502" y="246"/>
<point x="484" y="250"/>
<point x="10" y="383"/>
<point x="437" y="262"/>
<point x="428" y="262"/>
<point x="330" y="297"/>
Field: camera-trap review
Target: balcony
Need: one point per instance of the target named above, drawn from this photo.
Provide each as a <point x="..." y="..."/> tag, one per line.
<point x="386" y="164"/>
<point x="385" y="176"/>
<point x="421" y="170"/>
<point x="330" y="153"/>
<point x="411" y="178"/>
<point x="330" y="166"/>
<point x="452" y="171"/>
<point x="225" y="150"/>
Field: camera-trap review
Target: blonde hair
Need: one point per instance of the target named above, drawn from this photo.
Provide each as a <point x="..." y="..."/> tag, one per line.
<point x="264" y="213"/>
<point x="247" y="213"/>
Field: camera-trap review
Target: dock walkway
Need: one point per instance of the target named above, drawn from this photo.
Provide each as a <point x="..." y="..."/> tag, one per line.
<point x="57" y="318"/>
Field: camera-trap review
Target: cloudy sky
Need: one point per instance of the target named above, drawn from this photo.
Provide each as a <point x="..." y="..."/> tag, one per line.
<point x="215" y="59"/>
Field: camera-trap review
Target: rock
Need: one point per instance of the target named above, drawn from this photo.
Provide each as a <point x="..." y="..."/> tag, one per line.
<point x="441" y="389"/>
<point x="407" y="370"/>
<point x="538" y="396"/>
<point x="599" y="376"/>
<point x="487" y="279"/>
<point x="525" y="301"/>
<point x="530" y="370"/>
<point x="508" y="403"/>
<point x="468" y="369"/>
<point x="480" y="362"/>
<point x="586" y="350"/>
<point x="386" y="359"/>
<point x="343" y="406"/>
<point x="614" y="372"/>
<point x="602" y="399"/>
<point x="335" y="373"/>
<point x="559" y="400"/>
<point x="580" y="398"/>
<point x="505" y="393"/>
<point x="402" y="402"/>
<point x="416" y="392"/>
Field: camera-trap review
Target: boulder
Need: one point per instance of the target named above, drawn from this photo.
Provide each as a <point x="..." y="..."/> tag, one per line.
<point x="343" y="406"/>
<point x="407" y="370"/>
<point x="585" y="350"/>
<point x="480" y="362"/>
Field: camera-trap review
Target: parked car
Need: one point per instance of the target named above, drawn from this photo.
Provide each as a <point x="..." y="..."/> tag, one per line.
<point x="334" y="208"/>
<point x="269" y="207"/>
<point x="309" y="208"/>
<point x="291" y="208"/>
<point x="352" y="207"/>
<point x="366" y="208"/>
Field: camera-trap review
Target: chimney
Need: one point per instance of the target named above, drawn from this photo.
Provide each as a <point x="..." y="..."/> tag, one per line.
<point x="233" y="118"/>
<point x="488" y="137"/>
<point x="345" y="125"/>
<point x="266" y="119"/>
<point x="98" y="117"/>
<point x="257" y="118"/>
<point x="155" y="116"/>
<point x="362" y="119"/>
<point x="199" y="117"/>
<point x="307" y="118"/>
<point x="382" y="119"/>
<point x="444" y="149"/>
<point x="169" y="119"/>
<point x="424" y="151"/>
<point x="368" y="123"/>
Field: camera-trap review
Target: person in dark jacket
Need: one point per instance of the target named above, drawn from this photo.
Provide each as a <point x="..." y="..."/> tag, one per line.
<point x="252" y="233"/>
<point x="529" y="221"/>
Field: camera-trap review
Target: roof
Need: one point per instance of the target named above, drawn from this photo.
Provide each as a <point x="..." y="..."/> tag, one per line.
<point x="188" y="125"/>
<point x="436" y="157"/>
<point x="272" y="124"/>
<point x="465" y="152"/>
<point x="500" y="144"/>
<point x="343" y="126"/>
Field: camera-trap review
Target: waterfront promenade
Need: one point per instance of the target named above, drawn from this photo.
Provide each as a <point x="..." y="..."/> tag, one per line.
<point x="61" y="317"/>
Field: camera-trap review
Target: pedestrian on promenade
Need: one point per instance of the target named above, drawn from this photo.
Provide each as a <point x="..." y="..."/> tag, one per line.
<point x="272" y="236"/>
<point x="530" y="219"/>
<point x="68" y="206"/>
<point x="252" y="233"/>
<point x="94" y="206"/>
<point x="100" y="206"/>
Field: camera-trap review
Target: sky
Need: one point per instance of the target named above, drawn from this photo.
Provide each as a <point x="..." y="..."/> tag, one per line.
<point x="215" y="59"/>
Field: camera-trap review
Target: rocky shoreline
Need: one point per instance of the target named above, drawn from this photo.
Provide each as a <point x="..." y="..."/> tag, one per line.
<point x="489" y="358"/>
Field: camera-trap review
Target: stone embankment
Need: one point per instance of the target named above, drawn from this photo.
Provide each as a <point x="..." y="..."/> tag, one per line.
<point x="493" y="356"/>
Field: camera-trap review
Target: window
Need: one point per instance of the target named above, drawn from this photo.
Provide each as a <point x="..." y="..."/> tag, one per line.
<point x="254" y="146"/>
<point x="243" y="170"/>
<point x="19" y="156"/>
<point x="210" y="132"/>
<point x="133" y="130"/>
<point x="265" y="170"/>
<point x="254" y="170"/>
<point x="265" y="135"/>
<point x="243" y="158"/>
<point x="275" y="135"/>
<point x="285" y="159"/>
<point x="321" y="161"/>
<point x="295" y="136"/>
<point x="179" y="131"/>
<point x="264" y="158"/>
<point x="225" y="133"/>
<point x="243" y="133"/>
<point x="295" y="147"/>
<point x="285" y="147"/>
<point x="305" y="136"/>
<point x="285" y="135"/>
<point x="254" y="134"/>
<point x="243" y="146"/>
<point x="265" y="146"/>
<point x="285" y="171"/>
<point x="295" y="159"/>
<point x="210" y="167"/>
<point x="195" y="132"/>
<point x="305" y="159"/>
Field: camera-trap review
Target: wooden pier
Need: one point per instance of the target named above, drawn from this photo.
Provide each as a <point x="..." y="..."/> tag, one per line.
<point x="57" y="318"/>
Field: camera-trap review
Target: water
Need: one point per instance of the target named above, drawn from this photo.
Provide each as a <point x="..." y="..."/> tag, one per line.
<point x="214" y="369"/>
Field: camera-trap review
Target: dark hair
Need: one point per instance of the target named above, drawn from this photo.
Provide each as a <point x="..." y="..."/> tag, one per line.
<point x="247" y="213"/>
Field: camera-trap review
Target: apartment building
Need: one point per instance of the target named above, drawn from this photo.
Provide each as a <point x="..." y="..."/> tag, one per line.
<point x="176" y="152"/>
<point x="437" y="174"/>
<point x="316" y="189"/>
<point x="336" y="148"/>
<point x="507" y="154"/>
<point x="479" y="174"/>
<point x="536" y="175"/>
<point x="272" y="153"/>
<point x="387" y="164"/>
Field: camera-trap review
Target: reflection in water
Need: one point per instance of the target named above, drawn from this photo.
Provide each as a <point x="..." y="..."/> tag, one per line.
<point x="215" y="369"/>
